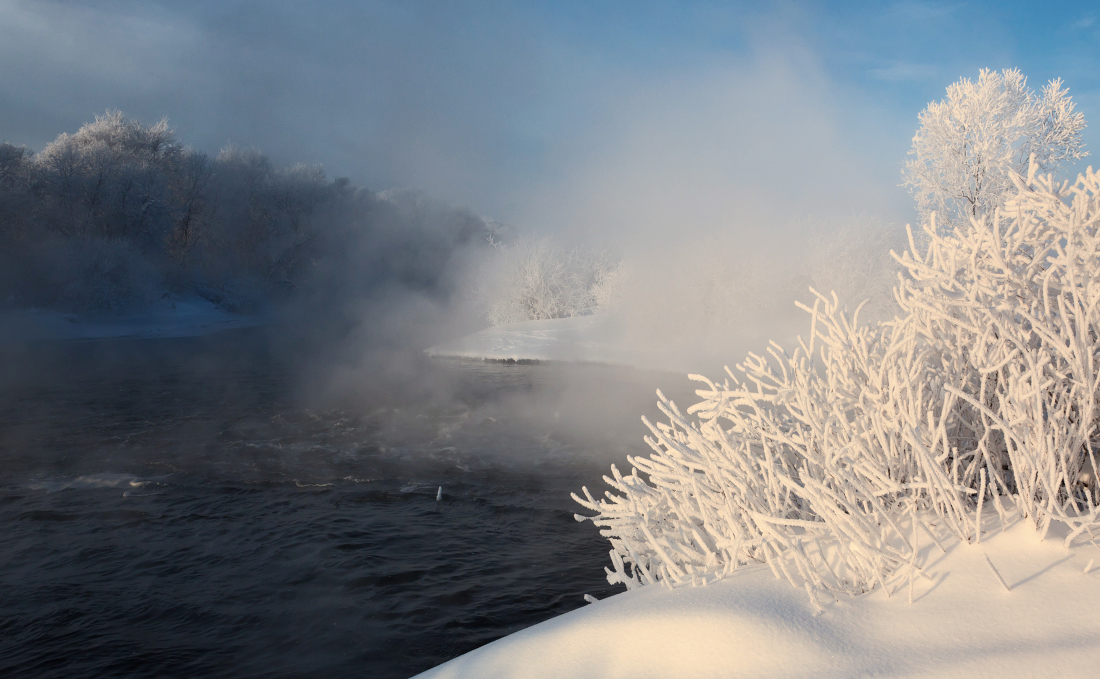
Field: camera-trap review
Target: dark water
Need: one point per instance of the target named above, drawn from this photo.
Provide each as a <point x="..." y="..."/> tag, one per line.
<point x="180" y="508"/>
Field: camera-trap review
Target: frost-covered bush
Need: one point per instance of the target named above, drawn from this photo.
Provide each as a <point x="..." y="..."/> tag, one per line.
<point x="610" y="286"/>
<point x="1010" y="304"/>
<point x="533" y="280"/>
<point x="791" y="464"/>
<point x="969" y="144"/>
<point x="827" y="463"/>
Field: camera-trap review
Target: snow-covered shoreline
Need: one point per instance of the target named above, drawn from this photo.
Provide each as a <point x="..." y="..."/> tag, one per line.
<point x="584" y="339"/>
<point x="962" y="623"/>
<point x="603" y="339"/>
<point x="825" y="462"/>
<point x="175" y="316"/>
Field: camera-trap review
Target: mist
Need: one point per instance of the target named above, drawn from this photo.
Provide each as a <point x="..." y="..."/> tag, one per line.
<point x="727" y="156"/>
<point x="724" y="203"/>
<point x="718" y="168"/>
<point x="237" y="239"/>
<point x="367" y="170"/>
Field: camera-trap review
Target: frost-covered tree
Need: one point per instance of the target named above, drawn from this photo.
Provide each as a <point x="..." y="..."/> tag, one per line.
<point x="531" y="280"/>
<point x="14" y="190"/>
<point x="12" y="159"/>
<point x="109" y="179"/>
<point x="265" y="220"/>
<point x="192" y="210"/>
<point x="968" y="144"/>
<point x="114" y="215"/>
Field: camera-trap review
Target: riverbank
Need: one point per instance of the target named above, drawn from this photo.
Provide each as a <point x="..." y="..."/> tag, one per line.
<point x="609" y="339"/>
<point x="962" y="623"/>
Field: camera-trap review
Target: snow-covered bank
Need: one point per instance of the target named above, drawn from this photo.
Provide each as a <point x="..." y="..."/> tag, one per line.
<point x="172" y="317"/>
<point x="599" y="338"/>
<point x="962" y="623"/>
<point x="585" y="339"/>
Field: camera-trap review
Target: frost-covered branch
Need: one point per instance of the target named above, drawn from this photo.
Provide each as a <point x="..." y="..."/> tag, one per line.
<point x="532" y="280"/>
<point x="825" y="462"/>
<point x="969" y="144"/>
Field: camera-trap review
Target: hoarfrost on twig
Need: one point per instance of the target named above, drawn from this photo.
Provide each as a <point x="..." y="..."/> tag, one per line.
<point x="813" y="461"/>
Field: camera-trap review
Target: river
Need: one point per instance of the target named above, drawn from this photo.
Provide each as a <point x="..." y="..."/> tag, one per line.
<point x="187" y="507"/>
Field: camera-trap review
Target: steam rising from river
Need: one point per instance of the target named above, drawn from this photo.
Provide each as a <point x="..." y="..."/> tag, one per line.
<point x="728" y="179"/>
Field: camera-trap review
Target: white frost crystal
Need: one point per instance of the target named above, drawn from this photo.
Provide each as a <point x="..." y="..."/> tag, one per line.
<point x="829" y="463"/>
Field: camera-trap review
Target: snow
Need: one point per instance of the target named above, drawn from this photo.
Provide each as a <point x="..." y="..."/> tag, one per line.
<point x="962" y="623"/>
<point x="598" y="338"/>
<point x="584" y="339"/>
<point x="174" y="316"/>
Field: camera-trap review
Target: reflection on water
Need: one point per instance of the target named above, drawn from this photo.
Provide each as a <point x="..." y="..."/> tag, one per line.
<point x="176" y="507"/>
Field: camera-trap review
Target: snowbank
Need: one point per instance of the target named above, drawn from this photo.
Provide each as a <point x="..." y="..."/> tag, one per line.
<point x="587" y="339"/>
<point x="962" y="623"/>
<point x="172" y="317"/>
<point x="599" y="338"/>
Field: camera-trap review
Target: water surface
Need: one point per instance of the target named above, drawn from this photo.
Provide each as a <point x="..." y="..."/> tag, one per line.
<point x="184" y="508"/>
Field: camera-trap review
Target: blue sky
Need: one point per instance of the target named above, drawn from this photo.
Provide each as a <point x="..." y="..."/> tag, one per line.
<point x="593" y="117"/>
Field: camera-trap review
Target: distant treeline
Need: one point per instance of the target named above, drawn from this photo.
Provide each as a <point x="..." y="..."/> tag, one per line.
<point x="117" y="215"/>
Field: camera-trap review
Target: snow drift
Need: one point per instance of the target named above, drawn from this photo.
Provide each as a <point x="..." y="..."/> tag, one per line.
<point x="963" y="624"/>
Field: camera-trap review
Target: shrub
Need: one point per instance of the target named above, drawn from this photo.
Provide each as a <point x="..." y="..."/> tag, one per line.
<point x="824" y="463"/>
<point x="1010" y="306"/>
<point x="534" y="280"/>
